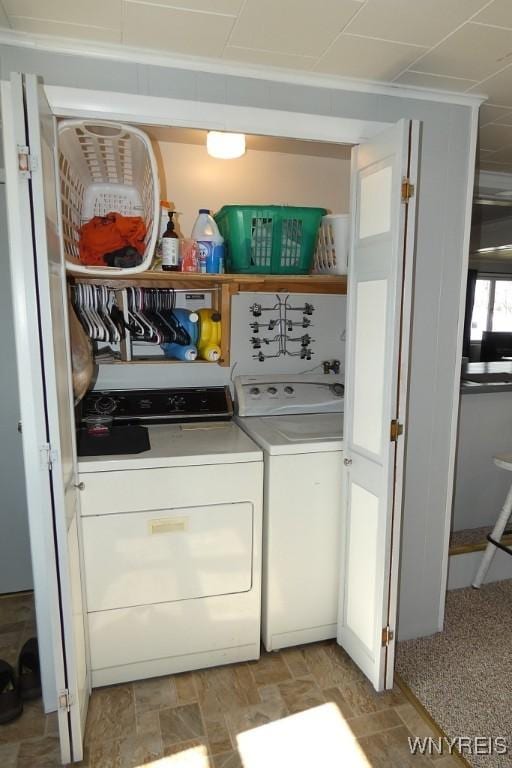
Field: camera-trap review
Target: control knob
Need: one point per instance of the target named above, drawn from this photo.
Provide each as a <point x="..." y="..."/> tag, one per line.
<point x="254" y="391"/>
<point x="105" y="405"/>
<point x="272" y="391"/>
<point x="289" y="390"/>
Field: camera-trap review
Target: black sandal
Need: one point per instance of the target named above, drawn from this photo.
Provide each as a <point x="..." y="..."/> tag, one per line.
<point x="29" y="672"/>
<point x="11" y="705"/>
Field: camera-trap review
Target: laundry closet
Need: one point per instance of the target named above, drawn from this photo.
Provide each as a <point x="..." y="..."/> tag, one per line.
<point x="88" y="497"/>
<point x="188" y="505"/>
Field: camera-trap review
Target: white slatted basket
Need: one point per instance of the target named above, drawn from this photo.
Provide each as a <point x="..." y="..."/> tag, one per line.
<point x="331" y="255"/>
<point x="106" y="167"/>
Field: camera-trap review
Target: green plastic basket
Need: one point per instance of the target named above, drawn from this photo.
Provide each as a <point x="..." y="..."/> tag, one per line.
<point x="271" y="239"/>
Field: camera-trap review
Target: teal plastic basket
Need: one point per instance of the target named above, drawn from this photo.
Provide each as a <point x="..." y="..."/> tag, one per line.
<point x="269" y="239"/>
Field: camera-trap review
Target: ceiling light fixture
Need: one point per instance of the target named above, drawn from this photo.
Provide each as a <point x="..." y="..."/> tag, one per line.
<point x="225" y="146"/>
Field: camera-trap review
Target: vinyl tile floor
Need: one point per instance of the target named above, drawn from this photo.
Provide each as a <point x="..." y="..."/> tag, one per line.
<point x="301" y="707"/>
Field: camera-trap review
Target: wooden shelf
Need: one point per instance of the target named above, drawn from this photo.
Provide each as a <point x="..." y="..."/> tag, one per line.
<point x="152" y="361"/>
<point x="330" y="284"/>
<point x="224" y="286"/>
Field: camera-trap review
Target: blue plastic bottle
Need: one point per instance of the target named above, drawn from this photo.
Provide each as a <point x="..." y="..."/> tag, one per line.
<point x="187" y="352"/>
<point x="190" y="323"/>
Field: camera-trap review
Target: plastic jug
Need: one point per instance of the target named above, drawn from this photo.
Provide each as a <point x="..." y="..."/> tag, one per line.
<point x="210" y="243"/>
<point x="185" y="352"/>
<point x="188" y="324"/>
<point x="189" y="321"/>
<point x="208" y="345"/>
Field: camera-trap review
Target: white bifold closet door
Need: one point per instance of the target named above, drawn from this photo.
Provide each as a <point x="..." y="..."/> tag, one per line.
<point x="46" y="394"/>
<point x="378" y="322"/>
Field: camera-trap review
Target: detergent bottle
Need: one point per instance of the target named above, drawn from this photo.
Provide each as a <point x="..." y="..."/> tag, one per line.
<point x="210" y="243"/>
<point x="188" y="321"/>
<point x="185" y="352"/>
<point x="186" y="325"/>
<point x="208" y="345"/>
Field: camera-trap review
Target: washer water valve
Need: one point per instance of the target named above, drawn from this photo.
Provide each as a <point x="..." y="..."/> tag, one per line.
<point x="331" y="366"/>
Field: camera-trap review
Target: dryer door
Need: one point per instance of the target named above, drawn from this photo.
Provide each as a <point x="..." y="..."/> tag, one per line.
<point x="164" y="555"/>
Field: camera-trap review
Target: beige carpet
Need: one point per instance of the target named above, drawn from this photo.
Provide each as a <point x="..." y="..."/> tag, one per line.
<point x="463" y="676"/>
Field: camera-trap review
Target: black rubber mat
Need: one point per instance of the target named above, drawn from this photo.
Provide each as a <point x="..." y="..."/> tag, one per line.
<point x="130" y="438"/>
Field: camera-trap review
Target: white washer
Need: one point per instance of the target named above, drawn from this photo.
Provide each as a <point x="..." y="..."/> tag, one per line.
<point x="298" y="422"/>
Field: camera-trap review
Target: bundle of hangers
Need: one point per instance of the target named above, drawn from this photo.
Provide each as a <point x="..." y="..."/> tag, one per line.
<point x="151" y="317"/>
<point x="95" y="306"/>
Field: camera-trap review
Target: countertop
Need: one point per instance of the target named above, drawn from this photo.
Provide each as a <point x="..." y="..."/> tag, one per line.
<point x="182" y="445"/>
<point x="477" y="378"/>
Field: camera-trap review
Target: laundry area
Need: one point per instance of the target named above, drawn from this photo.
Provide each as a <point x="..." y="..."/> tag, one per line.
<point x="226" y="539"/>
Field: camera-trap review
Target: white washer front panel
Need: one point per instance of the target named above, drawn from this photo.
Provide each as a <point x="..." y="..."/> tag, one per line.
<point x="141" y="558"/>
<point x="301" y="545"/>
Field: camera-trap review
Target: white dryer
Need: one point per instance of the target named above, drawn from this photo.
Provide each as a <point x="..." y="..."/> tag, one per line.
<point x="298" y="422"/>
<point x="171" y="534"/>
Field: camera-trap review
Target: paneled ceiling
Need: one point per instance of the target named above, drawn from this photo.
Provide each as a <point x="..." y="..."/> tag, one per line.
<point x="455" y="45"/>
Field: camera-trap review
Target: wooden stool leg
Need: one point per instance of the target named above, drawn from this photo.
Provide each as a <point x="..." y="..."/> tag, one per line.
<point x="497" y="533"/>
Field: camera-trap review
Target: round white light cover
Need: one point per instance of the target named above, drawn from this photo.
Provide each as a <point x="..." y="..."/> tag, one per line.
<point x="225" y="146"/>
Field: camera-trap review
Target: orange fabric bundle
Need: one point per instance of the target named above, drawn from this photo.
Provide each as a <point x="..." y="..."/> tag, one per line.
<point x="104" y="234"/>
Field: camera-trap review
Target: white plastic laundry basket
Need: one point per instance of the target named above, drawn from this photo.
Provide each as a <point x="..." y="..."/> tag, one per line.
<point x="331" y="255"/>
<point x="106" y="167"/>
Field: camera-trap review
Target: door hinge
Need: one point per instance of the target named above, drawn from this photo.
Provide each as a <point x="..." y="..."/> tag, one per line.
<point x="407" y="190"/>
<point x="396" y="430"/>
<point x="387" y="636"/>
<point x="48" y="456"/>
<point x="65" y="700"/>
<point x="26" y="162"/>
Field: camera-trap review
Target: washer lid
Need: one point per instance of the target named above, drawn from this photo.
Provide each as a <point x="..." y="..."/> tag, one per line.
<point x="311" y="433"/>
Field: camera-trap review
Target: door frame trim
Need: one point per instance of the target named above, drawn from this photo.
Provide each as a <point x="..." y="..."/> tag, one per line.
<point x="454" y="429"/>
